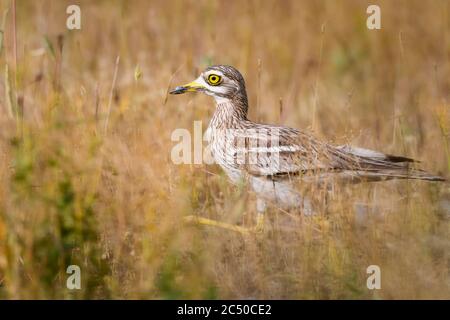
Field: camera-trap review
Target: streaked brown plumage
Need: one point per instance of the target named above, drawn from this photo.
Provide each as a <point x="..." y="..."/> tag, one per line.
<point x="281" y="154"/>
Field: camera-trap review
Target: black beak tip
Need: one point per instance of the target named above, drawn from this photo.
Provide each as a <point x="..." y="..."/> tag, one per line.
<point x="178" y="90"/>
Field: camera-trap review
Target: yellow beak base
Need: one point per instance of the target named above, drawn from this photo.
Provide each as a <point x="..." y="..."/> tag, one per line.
<point x="189" y="87"/>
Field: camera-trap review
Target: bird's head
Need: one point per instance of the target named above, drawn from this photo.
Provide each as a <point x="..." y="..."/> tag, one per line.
<point x="220" y="81"/>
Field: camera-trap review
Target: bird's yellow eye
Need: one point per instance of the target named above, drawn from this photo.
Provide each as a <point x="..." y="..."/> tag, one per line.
<point x="214" y="79"/>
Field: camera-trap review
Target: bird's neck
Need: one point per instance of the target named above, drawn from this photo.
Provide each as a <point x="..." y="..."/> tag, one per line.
<point x="230" y="113"/>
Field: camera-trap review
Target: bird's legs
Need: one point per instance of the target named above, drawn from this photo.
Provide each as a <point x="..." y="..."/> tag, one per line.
<point x="218" y="224"/>
<point x="260" y="209"/>
<point x="258" y="228"/>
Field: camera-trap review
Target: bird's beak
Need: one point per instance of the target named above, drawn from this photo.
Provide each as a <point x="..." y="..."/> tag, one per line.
<point x="189" y="87"/>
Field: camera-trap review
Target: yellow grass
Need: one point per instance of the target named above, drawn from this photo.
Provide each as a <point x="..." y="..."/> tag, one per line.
<point x="113" y="202"/>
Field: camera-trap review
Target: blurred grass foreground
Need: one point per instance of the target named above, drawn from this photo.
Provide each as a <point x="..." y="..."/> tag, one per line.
<point x="85" y="164"/>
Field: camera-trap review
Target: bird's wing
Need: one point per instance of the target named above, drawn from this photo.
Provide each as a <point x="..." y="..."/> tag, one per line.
<point x="278" y="152"/>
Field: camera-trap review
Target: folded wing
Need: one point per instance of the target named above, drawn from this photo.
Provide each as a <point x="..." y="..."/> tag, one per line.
<point x="282" y="152"/>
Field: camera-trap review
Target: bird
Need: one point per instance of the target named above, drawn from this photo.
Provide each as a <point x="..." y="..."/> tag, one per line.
<point x="273" y="158"/>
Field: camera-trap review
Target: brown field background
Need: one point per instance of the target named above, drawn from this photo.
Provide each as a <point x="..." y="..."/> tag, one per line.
<point x="112" y="202"/>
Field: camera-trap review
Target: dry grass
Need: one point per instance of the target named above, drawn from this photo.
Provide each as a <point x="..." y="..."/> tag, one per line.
<point x="112" y="203"/>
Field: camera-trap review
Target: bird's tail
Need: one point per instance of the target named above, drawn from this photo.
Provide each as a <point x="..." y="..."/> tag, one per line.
<point x="372" y="165"/>
<point x="388" y="174"/>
